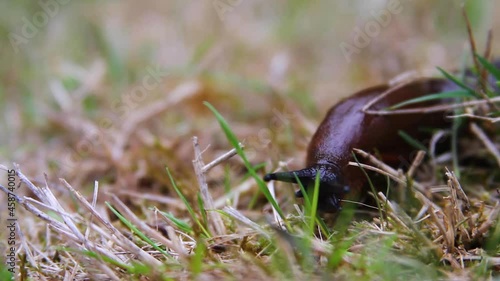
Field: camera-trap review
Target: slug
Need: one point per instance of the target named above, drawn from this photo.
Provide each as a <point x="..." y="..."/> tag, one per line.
<point x="346" y="127"/>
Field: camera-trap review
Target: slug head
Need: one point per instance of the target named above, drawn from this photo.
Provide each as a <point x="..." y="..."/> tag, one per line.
<point x="331" y="186"/>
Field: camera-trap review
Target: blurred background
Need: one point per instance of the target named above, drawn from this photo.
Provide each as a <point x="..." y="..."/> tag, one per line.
<point x="113" y="90"/>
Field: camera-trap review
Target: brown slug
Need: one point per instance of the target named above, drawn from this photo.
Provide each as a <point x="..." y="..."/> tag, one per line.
<point x="346" y="127"/>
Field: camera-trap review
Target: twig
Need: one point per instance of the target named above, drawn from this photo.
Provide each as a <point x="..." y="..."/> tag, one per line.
<point x="485" y="226"/>
<point x="215" y="220"/>
<point x="126" y="212"/>
<point x="416" y="162"/>
<point x="35" y="189"/>
<point x="393" y="174"/>
<point x="24" y="244"/>
<point x="246" y="221"/>
<point x="375" y="161"/>
<point x="68" y="220"/>
<point x="453" y="182"/>
<point x="456" y="215"/>
<point x="472" y="116"/>
<point x="481" y="135"/>
<point x="88" y="206"/>
<point x="389" y="173"/>
<point x="276" y="217"/>
<point x="60" y="228"/>
<point x="170" y="201"/>
<point x="34" y="210"/>
<point x="117" y="236"/>
<point x="94" y="203"/>
<point x="471" y="41"/>
<point x="412" y="75"/>
<point x="432" y="145"/>
<point x="220" y="159"/>
<point x="391" y="211"/>
<point x="176" y="241"/>
<point x="383" y="169"/>
<point x="487" y="54"/>
<point x="426" y="110"/>
<point x="449" y="242"/>
<point x="482" y="79"/>
<point x="386" y="93"/>
<point x="66" y="217"/>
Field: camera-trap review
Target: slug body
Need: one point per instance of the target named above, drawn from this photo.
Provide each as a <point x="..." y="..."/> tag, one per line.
<point x="346" y="126"/>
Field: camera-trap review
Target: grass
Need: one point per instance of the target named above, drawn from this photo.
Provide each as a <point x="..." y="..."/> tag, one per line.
<point x="255" y="95"/>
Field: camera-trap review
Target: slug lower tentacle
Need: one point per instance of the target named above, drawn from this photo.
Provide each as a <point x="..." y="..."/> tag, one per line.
<point x="346" y="127"/>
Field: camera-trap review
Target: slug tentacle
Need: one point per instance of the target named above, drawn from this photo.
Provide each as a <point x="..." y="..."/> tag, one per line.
<point x="303" y="175"/>
<point x="331" y="185"/>
<point x="328" y="175"/>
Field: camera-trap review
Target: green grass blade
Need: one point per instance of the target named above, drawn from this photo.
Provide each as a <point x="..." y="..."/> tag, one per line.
<point x="201" y="207"/>
<point x="489" y="66"/>
<point x="340" y="250"/>
<point x="235" y="143"/>
<point x="412" y="141"/>
<point x="5" y="274"/>
<point x="188" y="206"/>
<point x="314" y="206"/>
<point x="493" y="114"/>
<point x="308" y="207"/>
<point x="196" y="261"/>
<point x="323" y="226"/>
<point x="180" y="224"/>
<point x="305" y="195"/>
<point x="137" y="231"/>
<point x="438" y="96"/>
<point x="201" y="51"/>
<point x="457" y="81"/>
<point x="136" y="268"/>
